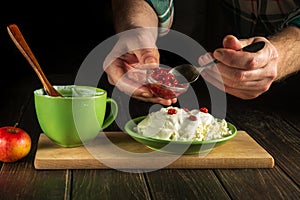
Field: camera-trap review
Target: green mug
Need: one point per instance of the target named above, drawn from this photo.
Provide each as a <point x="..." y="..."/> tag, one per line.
<point x="77" y="117"/>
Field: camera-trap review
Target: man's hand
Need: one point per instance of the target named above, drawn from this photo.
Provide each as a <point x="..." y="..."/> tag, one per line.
<point x="126" y="65"/>
<point x="242" y="74"/>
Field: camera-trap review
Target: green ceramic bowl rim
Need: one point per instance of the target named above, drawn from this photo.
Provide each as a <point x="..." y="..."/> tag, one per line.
<point x="36" y="92"/>
<point x="132" y="123"/>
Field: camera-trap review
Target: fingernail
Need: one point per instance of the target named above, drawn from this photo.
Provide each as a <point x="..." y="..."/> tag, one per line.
<point x="218" y="54"/>
<point x="150" y="60"/>
<point x="146" y="94"/>
<point x="174" y="100"/>
<point x="201" y="58"/>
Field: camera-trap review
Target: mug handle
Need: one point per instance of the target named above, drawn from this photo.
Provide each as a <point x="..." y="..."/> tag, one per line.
<point x="113" y="113"/>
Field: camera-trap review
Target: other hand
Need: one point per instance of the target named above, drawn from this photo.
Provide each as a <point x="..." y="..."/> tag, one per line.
<point x="242" y="74"/>
<point x="126" y="65"/>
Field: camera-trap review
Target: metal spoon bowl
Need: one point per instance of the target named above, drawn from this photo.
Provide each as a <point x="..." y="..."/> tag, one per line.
<point x="187" y="73"/>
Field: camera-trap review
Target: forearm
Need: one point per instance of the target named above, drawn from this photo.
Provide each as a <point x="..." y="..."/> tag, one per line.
<point x="287" y="43"/>
<point x="128" y="14"/>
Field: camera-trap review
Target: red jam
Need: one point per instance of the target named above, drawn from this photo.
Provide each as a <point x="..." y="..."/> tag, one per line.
<point x="166" y="85"/>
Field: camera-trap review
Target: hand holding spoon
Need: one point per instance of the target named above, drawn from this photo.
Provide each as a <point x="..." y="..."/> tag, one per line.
<point x="22" y="45"/>
<point x="187" y="73"/>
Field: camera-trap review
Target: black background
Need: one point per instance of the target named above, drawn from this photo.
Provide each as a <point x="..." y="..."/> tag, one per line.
<point x="60" y="34"/>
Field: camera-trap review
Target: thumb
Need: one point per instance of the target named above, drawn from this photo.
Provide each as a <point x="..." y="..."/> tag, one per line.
<point x="148" y="56"/>
<point x="231" y="42"/>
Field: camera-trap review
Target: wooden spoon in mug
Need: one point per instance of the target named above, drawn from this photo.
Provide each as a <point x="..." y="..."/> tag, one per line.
<point x="22" y="45"/>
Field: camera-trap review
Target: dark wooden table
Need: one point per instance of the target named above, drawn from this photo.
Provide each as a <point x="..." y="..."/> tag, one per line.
<point x="272" y="119"/>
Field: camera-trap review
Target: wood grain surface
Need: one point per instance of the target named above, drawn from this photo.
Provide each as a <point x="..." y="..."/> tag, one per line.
<point x="122" y="152"/>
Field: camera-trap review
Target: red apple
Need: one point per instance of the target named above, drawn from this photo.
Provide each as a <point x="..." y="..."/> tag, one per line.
<point x="15" y="143"/>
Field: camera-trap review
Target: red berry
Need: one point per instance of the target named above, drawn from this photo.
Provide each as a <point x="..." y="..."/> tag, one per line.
<point x="193" y="118"/>
<point x="172" y="111"/>
<point x="204" y="109"/>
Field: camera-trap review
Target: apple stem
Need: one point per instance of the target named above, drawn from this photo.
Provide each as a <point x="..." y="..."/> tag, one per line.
<point x="16" y="124"/>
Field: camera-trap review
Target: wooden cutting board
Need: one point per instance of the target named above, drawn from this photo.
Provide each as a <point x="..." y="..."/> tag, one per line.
<point x="118" y="150"/>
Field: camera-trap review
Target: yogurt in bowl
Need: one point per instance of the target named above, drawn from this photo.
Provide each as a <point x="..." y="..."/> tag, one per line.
<point x="180" y="131"/>
<point x="177" y="124"/>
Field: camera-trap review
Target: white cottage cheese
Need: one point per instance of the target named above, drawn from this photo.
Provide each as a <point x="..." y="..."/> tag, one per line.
<point x="183" y="125"/>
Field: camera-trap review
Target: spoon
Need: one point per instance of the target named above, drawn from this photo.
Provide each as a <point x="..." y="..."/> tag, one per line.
<point x="20" y="42"/>
<point x="187" y="73"/>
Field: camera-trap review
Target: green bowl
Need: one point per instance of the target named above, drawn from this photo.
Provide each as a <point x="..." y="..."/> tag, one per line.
<point x="176" y="147"/>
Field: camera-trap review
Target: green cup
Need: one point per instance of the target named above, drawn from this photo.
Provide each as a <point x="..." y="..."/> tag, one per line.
<point x="77" y="117"/>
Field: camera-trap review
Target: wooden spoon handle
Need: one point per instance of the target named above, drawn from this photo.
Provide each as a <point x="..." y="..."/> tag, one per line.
<point x="20" y="42"/>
